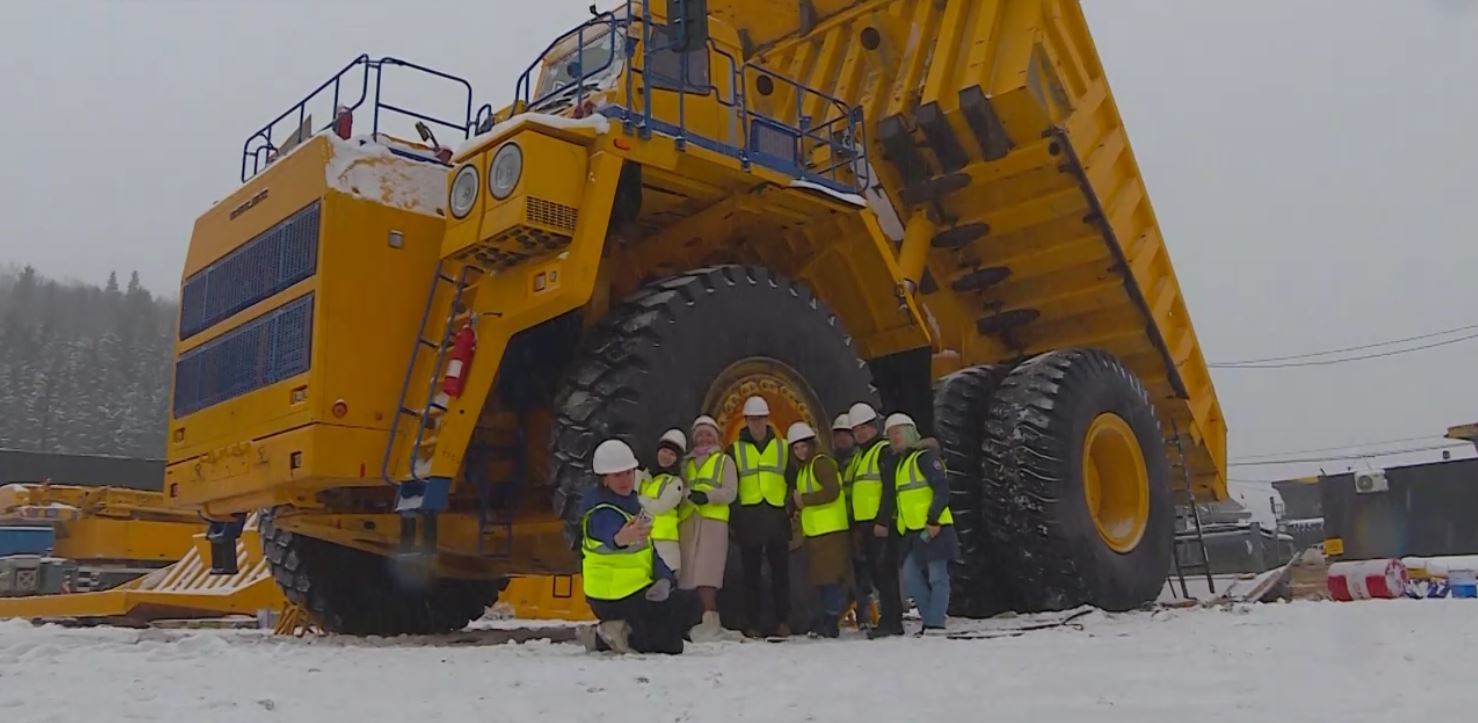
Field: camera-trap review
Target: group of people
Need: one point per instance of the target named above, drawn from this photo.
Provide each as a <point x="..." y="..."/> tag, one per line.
<point x="873" y="512"/>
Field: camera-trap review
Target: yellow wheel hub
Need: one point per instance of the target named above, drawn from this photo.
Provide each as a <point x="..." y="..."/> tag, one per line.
<point x="1116" y="482"/>
<point x="790" y="398"/>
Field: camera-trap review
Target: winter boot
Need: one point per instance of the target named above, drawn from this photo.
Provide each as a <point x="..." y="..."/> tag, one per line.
<point x="588" y="637"/>
<point x="617" y="634"/>
<point x="711" y="630"/>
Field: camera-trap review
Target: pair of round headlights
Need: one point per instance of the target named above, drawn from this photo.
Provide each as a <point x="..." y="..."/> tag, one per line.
<point x="506" y="170"/>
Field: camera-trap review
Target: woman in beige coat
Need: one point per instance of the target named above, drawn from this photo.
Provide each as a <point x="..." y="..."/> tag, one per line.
<point x="712" y="482"/>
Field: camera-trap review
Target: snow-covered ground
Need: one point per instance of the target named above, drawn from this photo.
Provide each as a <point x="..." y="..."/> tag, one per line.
<point x="1380" y="660"/>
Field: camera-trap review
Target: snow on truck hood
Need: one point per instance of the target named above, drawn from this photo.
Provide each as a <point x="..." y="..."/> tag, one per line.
<point x="598" y="123"/>
<point x="364" y="168"/>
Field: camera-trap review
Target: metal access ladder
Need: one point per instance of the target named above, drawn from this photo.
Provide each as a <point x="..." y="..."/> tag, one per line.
<point x="1189" y="533"/>
<point x="420" y="496"/>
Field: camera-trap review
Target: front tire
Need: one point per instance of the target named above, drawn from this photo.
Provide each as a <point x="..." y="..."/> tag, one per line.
<point x="657" y="360"/>
<point x="1074" y="457"/>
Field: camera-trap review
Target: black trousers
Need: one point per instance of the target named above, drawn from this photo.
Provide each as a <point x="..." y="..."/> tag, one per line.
<point x="876" y="567"/>
<point x="777" y="553"/>
<point x="656" y="627"/>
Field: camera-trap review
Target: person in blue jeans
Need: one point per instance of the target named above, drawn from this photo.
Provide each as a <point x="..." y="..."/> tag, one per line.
<point x="916" y="500"/>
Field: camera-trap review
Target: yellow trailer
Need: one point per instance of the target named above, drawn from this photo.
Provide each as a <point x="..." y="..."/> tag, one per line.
<point x="183" y="589"/>
<point x="103" y="527"/>
<point x="407" y="350"/>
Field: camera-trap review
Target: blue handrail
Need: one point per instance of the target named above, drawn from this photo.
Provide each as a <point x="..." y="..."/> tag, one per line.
<point x="844" y="133"/>
<point x="260" y="148"/>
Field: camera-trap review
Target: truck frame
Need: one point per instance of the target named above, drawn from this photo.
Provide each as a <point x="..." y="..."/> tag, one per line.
<point x="402" y="352"/>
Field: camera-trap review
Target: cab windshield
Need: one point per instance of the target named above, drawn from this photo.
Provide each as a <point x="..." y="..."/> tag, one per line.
<point x="594" y="65"/>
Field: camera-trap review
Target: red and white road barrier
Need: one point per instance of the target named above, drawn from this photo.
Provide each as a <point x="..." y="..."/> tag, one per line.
<point x="1366" y="580"/>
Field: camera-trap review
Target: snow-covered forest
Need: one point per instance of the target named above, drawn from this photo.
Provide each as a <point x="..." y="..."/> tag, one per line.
<point x="83" y="368"/>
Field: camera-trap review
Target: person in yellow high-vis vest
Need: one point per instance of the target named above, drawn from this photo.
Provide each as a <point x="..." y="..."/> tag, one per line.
<point x="918" y="507"/>
<point x="627" y="585"/>
<point x="703" y="529"/>
<point x="843" y="444"/>
<point x="762" y="519"/>
<point x="875" y="556"/>
<point x="825" y="523"/>
<point x="662" y="495"/>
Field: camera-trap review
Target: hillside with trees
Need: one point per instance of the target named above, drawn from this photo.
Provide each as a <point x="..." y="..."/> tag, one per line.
<point x="84" y="369"/>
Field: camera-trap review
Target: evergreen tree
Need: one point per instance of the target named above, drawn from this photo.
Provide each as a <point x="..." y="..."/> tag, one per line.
<point x="83" y="368"/>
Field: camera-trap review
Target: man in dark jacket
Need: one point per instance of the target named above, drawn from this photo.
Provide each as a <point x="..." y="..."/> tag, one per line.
<point x="761" y="518"/>
<point x="875" y="539"/>
<point x="916" y="501"/>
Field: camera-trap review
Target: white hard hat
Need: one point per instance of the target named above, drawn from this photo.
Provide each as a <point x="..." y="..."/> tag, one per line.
<point x="676" y="438"/>
<point x="613" y="457"/>
<point x="756" y="407"/>
<point x="799" y="432"/>
<point x="842" y="424"/>
<point x="898" y="420"/>
<point x="861" y="413"/>
<point x="705" y="421"/>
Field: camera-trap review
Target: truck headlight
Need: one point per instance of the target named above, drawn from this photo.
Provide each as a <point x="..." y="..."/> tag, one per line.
<point x="507" y="169"/>
<point x="464" y="191"/>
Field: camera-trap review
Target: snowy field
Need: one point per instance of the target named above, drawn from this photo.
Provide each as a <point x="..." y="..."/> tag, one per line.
<point x="1386" y="661"/>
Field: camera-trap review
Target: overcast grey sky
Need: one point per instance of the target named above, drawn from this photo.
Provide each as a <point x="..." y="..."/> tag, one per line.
<point x="1313" y="163"/>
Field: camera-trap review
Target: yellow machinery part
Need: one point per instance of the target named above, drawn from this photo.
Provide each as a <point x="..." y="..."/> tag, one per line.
<point x="103" y="523"/>
<point x="185" y="589"/>
<point x="547" y="597"/>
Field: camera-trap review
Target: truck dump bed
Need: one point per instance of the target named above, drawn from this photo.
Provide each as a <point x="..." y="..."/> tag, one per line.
<point x="994" y="134"/>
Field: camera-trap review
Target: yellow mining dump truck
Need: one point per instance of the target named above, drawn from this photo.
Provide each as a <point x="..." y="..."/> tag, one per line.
<point x="406" y="351"/>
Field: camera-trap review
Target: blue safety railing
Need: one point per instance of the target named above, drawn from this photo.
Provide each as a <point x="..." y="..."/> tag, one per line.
<point x="359" y="84"/>
<point x="788" y="145"/>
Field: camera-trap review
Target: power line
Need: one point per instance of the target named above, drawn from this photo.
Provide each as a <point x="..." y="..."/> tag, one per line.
<point x="1345" y="360"/>
<point x="1341" y="448"/>
<point x="1362" y="347"/>
<point x="1346" y="458"/>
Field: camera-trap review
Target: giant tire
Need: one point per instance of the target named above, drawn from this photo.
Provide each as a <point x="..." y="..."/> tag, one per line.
<point x="648" y="365"/>
<point x="1033" y="467"/>
<point x="354" y="592"/>
<point x="980" y="585"/>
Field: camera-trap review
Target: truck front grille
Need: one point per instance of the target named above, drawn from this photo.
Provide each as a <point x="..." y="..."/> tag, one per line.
<point x="267" y="264"/>
<point x="261" y="352"/>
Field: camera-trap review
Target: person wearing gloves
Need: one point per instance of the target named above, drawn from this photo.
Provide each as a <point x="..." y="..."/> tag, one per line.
<point x="824" y="521"/>
<point x="875" y="554"/>
<point x="627" y="585"/>
<point x="662" y="494"/>
<point x="762" y="518"/>
<point x="917" y="502"/>
<point x="703" y="528"/>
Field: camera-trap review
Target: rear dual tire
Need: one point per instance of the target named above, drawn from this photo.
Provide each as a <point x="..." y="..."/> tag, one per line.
<point x="1074" y="465"/>
<point x="1058" y="485"/>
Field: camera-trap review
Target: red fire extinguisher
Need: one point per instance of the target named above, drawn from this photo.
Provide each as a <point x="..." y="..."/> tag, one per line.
<point x="463" y="346"/>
